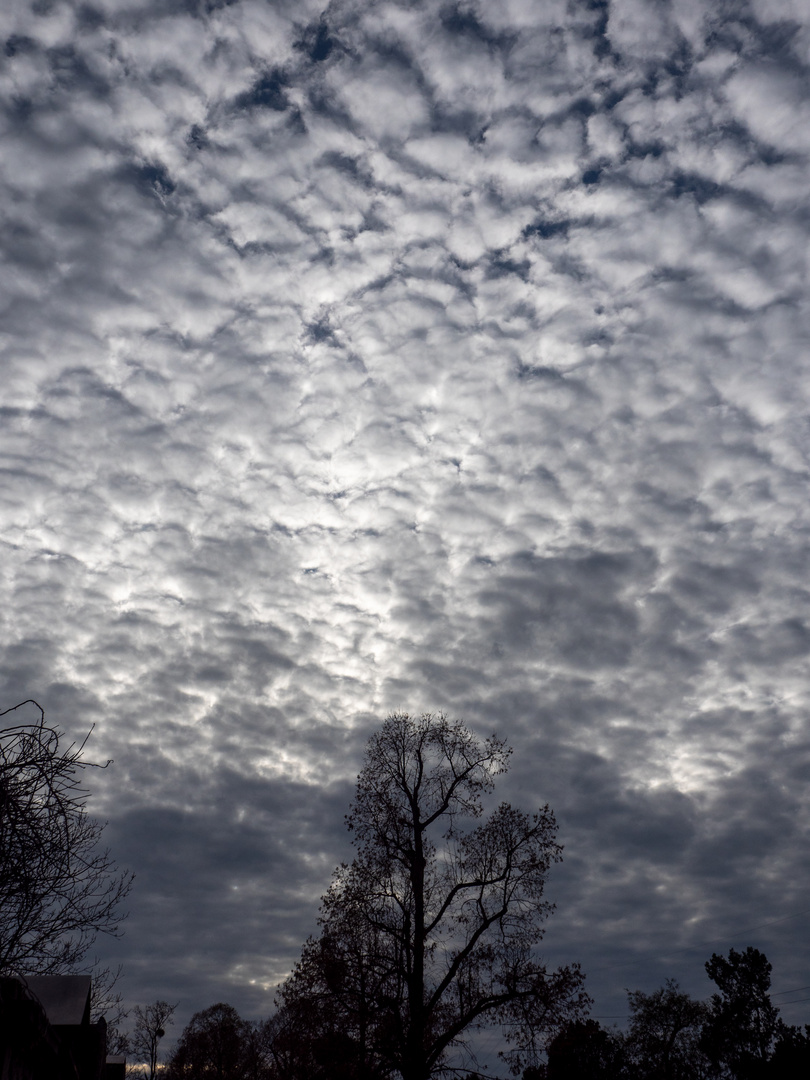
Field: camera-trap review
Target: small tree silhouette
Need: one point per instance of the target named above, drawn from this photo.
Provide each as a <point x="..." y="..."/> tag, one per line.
<point x="151" y="1022"/>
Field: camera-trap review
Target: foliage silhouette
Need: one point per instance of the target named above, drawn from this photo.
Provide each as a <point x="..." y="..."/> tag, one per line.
<point x="664" y="1037"/>
<point x="743" y="1024"/>
<point x="585" y="1050"/>
<point x="216" y="1044"/>
<point x="791" y="1055"/>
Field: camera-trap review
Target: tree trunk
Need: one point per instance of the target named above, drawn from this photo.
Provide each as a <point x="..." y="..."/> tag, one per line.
<point x="415" y="1065"/>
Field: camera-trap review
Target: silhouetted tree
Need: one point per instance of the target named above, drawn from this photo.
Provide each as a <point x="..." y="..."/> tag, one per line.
<point x="106" y="1001"/>
<point x="584" y="1050"/>
<point x="743" y="1024"/>
<point x="58" y="887"/>
<point x="151" y="1022"/>
<point x="791" y="1055"/>
<point x="430" y="933"/>
<point x="336" y="1011"/>
<point x="663" y="1039"/>
<point x="217" y="1044"/>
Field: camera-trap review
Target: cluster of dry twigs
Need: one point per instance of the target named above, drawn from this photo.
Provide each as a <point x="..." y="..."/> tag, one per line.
<point x="58" y="887"/>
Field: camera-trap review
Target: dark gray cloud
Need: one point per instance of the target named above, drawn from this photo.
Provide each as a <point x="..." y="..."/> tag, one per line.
<point x="440" y="355"/>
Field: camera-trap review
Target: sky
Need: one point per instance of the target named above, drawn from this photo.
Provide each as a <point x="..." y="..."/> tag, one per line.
<point x="428" y="356"/>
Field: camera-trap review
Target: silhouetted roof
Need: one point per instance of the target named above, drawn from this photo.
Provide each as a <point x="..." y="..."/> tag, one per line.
<point x="65" y="998"/>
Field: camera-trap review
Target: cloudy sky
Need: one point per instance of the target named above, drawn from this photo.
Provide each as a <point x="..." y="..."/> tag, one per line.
<point x="437" y="356"/>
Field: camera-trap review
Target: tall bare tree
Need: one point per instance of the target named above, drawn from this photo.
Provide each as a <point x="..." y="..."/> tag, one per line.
<point x="151" y="1022"/>
<point x="430" y="934"/>
<point x="59" y="888"/>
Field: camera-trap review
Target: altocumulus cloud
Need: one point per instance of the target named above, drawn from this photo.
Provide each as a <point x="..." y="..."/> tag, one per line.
<point x="427" y="355"/>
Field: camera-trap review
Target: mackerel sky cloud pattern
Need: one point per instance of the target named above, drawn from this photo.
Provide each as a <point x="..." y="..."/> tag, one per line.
<point x="436" y="356"/>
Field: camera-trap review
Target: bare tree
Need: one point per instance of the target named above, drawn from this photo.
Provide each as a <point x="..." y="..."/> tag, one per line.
<point x="107" y="1001"/>
<point x="151" y="1022"/>
<point x="58" y="888"/>
<point x="430" y="934"/>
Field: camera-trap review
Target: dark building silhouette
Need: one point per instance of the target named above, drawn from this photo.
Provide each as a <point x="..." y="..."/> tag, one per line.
<point x="46" y="1034"/>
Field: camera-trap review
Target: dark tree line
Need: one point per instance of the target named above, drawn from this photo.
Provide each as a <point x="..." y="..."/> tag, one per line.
<point x="735" y="1035"/>
<point x="428" y="938"/>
